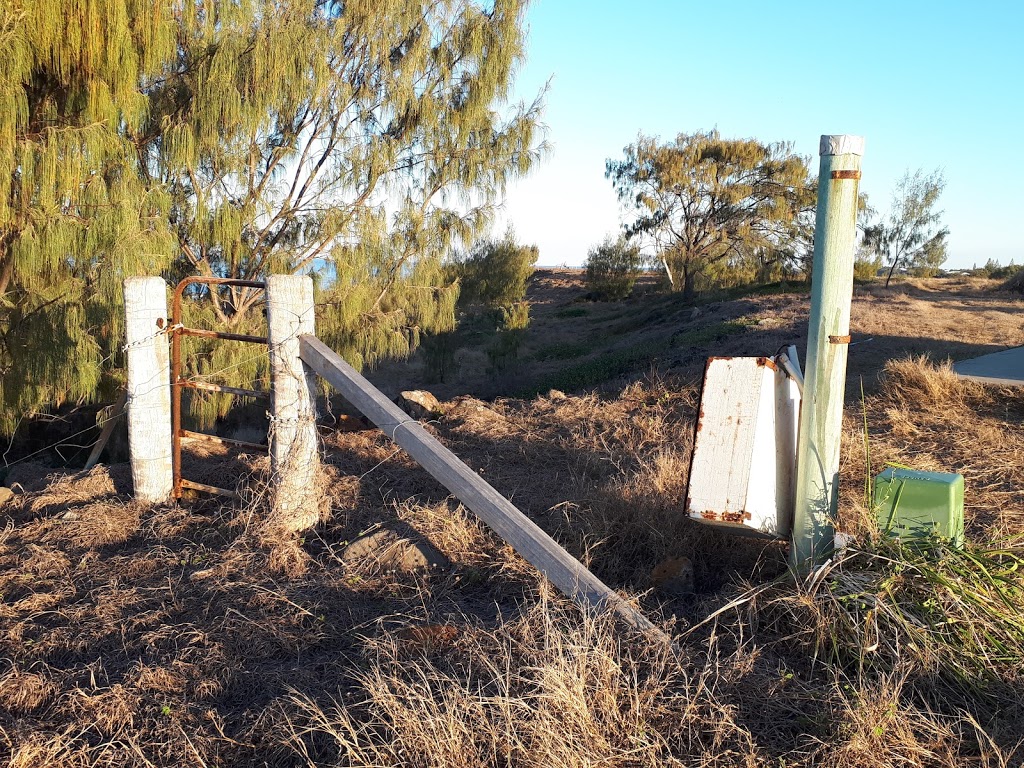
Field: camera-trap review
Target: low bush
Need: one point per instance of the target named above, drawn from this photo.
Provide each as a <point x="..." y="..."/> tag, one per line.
<point x="493" y="275"/>
<point x="612" y="269"/>
<point x="866" y="270"/>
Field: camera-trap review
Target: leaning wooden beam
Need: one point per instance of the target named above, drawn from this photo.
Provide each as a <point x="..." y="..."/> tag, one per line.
<point x="543" y="552"/>
<point x="115" y="413"/>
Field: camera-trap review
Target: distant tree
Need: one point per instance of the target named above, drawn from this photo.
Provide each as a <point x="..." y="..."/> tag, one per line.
<point x="612" y="268"/>
<point x="700" y="199"/>
<point x="911" y="235"/>
<point x="798" y="250"/>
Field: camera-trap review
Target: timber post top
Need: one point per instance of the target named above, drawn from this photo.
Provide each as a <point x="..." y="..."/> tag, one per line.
<point x="843" y="144"/>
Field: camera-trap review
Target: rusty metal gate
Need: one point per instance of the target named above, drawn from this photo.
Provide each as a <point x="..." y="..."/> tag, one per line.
<point x="177" y="382"/>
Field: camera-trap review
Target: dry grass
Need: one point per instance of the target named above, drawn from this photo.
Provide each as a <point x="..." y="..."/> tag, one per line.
<point x="541" y="689"/>
<point x="190" y="635"/>
<point x="926" y="417"/>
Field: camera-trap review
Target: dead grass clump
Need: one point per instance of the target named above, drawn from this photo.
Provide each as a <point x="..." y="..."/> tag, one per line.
<point x="24" y="692"/>
<point x="46" y="562"/>
<point x="159" y="679"/>
<point x="100" y="524"/>
<point x="918" y="383"/>
<point x="112" y="712"/>
<point x="880" y="729"/>
<point x="544" y="689"/>
<point x="63" y="750"/>
<point x="56" y="492"/>
<point x="454" y="530"/>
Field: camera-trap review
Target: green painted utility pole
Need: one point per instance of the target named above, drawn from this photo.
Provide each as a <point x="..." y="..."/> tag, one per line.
<point x="821" y="412"/>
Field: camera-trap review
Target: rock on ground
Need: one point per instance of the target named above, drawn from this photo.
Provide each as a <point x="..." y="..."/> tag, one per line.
<point x="386" y="550"/>
<point x="419" y="404"/>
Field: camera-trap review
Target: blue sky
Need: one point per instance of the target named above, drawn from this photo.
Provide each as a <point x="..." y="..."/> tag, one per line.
<point x="929" y="85"/>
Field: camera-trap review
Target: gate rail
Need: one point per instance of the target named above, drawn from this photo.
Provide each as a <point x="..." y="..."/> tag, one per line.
<point x="177" y="383"/>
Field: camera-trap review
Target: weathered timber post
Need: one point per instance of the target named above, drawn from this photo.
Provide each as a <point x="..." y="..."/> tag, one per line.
<point x="294" y="460"/>
<point x="821" y="413"/>
<point x="149" y="388"/>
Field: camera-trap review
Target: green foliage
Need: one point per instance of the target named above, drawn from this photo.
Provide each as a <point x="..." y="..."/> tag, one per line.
<point x="439" y="356"/>
<point x="607" y="366"/>
<point x="493" y="275"/>
<point x="610" y="365"/>
<point x="571" y="312"/>
<point x="866" y="269"/>
<point x="515" y="317"/>
<point x="75" y="216"/>
<point x="503" y="352"/>
<point x="1015" y="282"/>
<point x="911" y="234"/>
<point x="612" y="269"/>
<point x="358" y="142"/>
<point x="924" y="608"/>
<point x="564" y="350"/>
<point x="996" y="271"/>
<point x="702" y="200"/>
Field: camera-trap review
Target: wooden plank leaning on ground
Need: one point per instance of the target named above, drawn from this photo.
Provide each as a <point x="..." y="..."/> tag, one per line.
<point x="539" y="549"/>
<point x="116" y="411"/>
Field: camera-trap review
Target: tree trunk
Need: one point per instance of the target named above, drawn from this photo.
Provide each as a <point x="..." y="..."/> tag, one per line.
<point x="891" y="270"/>
<point x="689" y="290"/>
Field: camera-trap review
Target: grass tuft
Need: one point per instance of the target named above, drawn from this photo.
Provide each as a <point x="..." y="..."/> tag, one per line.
<point x="923" y="609"/>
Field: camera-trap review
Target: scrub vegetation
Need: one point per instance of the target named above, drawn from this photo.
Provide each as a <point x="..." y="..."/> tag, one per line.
<point x="368" y="145"/>
<point x="183" y="634"/>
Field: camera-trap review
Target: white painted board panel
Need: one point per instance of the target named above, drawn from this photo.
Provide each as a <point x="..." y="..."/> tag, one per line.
<point x="745" y="451"/>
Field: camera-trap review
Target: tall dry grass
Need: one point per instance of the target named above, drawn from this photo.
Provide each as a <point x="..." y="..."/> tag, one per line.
<point x="180" y="636"/>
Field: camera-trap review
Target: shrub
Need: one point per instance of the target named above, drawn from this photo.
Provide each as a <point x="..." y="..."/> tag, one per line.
<point x="866" y="269"/>
<point x="439" y="356"/>
<point x="515" y="317"/>
<point x="494" y="273"/>
<point x="612" y="269"/>
<point x="1015" y="281"/>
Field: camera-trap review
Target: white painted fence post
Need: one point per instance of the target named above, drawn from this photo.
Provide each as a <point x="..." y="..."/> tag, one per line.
<point x="294" y="459"/>
<point x="149" y="388"/>
<point x="821" y="412"/>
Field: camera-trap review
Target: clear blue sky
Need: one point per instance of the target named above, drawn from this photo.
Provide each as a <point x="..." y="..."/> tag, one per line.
<point x="929" y="85"/>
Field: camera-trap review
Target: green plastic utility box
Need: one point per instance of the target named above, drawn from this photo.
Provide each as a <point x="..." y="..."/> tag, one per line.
<point x="915" y="505"/>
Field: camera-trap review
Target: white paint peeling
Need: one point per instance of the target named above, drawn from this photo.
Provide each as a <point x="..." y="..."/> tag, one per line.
<point x="744" y="457"/>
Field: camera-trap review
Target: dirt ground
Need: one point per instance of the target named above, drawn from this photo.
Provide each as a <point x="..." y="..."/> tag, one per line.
<point x="188" y="634"/>
<point x="944" y="318"/>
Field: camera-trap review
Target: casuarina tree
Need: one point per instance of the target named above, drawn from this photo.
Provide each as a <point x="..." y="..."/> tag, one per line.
<point x="75" y="214"/>
<point x="357" y="142"/>
<point x="700" y="199"/>
<point x="911" y="234"/>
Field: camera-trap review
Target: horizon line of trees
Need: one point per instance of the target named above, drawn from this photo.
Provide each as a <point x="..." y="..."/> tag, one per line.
<point x="719" y="212"/>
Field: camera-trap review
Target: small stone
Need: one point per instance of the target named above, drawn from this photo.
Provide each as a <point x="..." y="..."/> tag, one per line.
<point x="674" y="576"/>
<point x="387" y="550"/>
<point x="419" y="404"/>
<point x="6" y="494"/>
